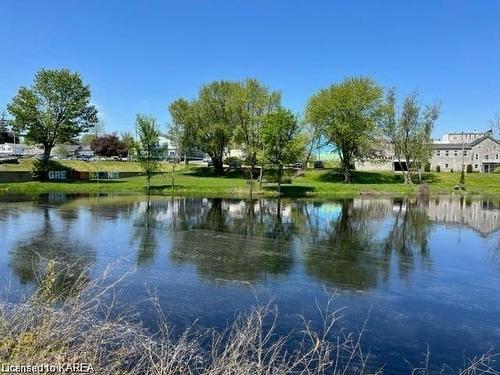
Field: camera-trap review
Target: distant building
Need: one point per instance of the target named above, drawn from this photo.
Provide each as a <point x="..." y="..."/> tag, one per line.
<point x="12" y="149"/>
<point x="479" y="150"/>
<point x="170" y="147"/>
<point x="86" y="152"/>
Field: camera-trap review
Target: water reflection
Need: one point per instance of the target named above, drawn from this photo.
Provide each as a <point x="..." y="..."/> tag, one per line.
<point x="346" y="244"/>
<point x="430" y="268"/>
<point x="49" y="250"/>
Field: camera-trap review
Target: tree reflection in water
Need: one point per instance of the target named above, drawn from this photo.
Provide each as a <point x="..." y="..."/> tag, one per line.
<point x="353" y="244"/>
<point x="69" y="261"/>
<point x="223" y="246"/>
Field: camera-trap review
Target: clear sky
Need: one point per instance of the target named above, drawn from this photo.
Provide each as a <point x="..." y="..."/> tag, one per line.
<point x="138" y="56"/>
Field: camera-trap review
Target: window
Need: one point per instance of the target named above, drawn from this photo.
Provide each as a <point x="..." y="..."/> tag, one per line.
<point x="486" y="157"/>
<point x="456" y="153"/>
<point x="465" y="152"/>
<point x="477" y="156"/>
<point x="446" y="153"/>
<point x="446" y="165"/>
<point x="475" y="166"/>
<point x="496" y="156"/>
<point x="438" y="153"/>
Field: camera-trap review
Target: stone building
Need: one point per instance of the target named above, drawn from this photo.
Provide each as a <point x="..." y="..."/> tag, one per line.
<point x="478" y="150"/>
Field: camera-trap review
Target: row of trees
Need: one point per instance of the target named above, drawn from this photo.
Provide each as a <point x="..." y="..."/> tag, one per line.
<point x="348" y="116"/>
<point x="246" y="114"/>
<point x="352" y="117"/>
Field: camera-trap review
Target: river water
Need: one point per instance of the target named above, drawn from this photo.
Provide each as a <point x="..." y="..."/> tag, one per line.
<point x="421" y="273"/>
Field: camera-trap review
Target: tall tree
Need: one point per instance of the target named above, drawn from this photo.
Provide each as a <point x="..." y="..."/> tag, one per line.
<point x="176" y="137"/>
<point x="148" y="150"/>
<point x="409" y="131"/>
<point x="252" y="102"/>
<point x="87" y="138"/>
<point x="55" y="109"/>
<point x="280" y="134"/>
<point x="347" y="114"/>
<point x="209" y="121"/>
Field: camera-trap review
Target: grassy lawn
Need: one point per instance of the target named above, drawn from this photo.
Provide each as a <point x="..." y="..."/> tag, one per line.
<point x="26" y="165"/>
<point x="199" y="181"/>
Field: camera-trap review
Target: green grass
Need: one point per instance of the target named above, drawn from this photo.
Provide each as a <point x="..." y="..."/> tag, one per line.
<point x="26" y="165"/>
<point x="199" y="181"/>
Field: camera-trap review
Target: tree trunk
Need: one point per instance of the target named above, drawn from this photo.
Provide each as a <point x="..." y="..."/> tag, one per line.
<point x="251" y="180"/>
<point x="148" y="182"/>
<point x="173" y="174"/>
<point x="219" y="166"/>
<point x="408" y="171"/>
<point x="279" y="180"/>
<point x="44" y="167"/>
<point x="347" y="172"/>
<point x="261" y="175"/>
<point x="345" y="160"/>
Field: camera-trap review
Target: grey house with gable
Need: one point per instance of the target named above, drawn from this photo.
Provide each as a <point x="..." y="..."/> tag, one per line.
<point x="479" y="150"/>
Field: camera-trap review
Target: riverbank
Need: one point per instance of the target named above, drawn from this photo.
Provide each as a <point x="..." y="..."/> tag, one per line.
<point x="199" y="181"/>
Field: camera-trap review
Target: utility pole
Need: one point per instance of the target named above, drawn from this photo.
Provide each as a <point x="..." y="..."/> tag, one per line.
<point x="462" y="174"/>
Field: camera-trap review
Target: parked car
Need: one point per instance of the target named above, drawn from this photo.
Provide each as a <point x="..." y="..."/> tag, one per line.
<point x="318" y="164"/>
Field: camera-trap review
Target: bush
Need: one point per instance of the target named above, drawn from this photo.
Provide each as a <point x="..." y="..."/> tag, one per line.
<point x="108" y="145"/>
<point x="427" y="167"/>
<point x="468" y="169"/>
<point x="271" y="176"/>
<point x="438" y="168"/>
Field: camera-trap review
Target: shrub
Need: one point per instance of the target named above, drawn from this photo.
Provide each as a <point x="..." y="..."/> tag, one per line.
<point x="468" y="169"/>
<point x="438" y="168"/>
<point x="427" y="167"/>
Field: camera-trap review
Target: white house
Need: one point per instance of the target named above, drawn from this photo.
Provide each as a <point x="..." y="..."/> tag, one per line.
<point x="168" y="144"/>
<point x="11" y="149"/>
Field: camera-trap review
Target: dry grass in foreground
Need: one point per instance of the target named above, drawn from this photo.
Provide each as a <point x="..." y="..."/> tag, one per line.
<point x="72" y="319"/>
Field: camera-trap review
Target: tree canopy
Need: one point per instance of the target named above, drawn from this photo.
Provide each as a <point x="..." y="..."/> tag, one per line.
<point x="409" y="131"/>
<point x="55" y="109"/>
<point x="109" y="145"/>
<point x="347" y="114"/>
<point x="208" y="121"/>
<point x="148" y="150"/>
<point x="281" y="142"/>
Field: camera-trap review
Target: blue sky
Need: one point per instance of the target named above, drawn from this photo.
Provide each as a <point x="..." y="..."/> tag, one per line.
<point x="138" y="56"/>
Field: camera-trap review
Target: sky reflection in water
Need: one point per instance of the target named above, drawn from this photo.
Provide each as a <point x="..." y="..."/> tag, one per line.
<point x="429" y="270"/>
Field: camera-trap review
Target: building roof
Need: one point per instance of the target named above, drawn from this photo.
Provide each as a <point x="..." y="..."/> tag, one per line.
<point x="479" y="140"/>
<point x="465" y="146"/>
<point x="451" y="146"/>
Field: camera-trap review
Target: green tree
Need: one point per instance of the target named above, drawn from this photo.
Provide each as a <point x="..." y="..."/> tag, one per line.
<point x="252" y="102"/>
<point x="281" y="141"/>
<point x="148" y="151"/>
<point x="61" y="151"/>
<point x="129" y="142"/>
<point x="87" y="138"/>
<point x="347" y="114"/>
<point x="409" y="132"/>
<point x="55" y="109"/>
<point x="176" y="137"/>
<point x="208" y="122"/>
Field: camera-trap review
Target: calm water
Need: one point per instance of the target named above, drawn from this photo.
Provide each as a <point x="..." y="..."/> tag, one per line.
<point x="426" y="272"/>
